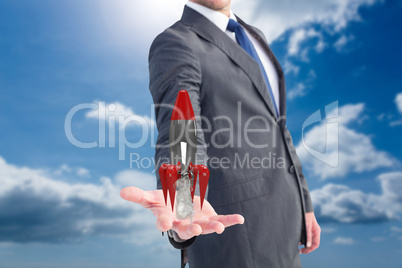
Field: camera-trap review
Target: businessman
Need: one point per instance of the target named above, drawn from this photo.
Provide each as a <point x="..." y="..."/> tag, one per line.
<point x="237" y="89"/>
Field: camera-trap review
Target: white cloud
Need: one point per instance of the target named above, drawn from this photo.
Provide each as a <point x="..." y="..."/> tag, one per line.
<point x="289" y="67"/>
<point x="340" y="203"/>
<point x="301" y="35"/>
<point x="124" y="21"/>
<point x="295" y="40"/>
<point x="380" y="117"/>
<point x="398" y="102"/>
<point x="63" y="168"/>
<point x="298" y="91"/>
<point x="353" y="151"/>
<point x="121" y="18"/>
<point x="276" y="17"/>
<point x="344" y="241"/>
<point x="327" y="229"/>
<point x="396" y="229"/>
<point x="299" y="18"/>
<point x="83" y="172"/>
<point x="320" y="45"/>
<point x="113" y="112"/>
<point x="341" y="43"/>
<point x="378" y="239"/>
<point x="66" y="169"/>
<point x="395" y="123"/>
<point x="145" y="181"/>
<point x="40" y="208"/>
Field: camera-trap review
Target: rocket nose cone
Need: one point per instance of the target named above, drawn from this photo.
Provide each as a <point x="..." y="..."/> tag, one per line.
<point x="183" y="110"/>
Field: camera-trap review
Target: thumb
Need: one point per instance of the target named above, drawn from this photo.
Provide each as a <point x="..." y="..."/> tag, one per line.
<point x="186" y="230"/>
<point x="164" y="221"/>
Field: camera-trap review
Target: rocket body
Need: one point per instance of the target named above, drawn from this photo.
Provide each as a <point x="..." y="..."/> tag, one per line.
<point x="179" y="179"/>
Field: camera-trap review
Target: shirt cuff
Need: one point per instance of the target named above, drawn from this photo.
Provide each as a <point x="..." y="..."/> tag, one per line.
<point x="179" y="243"/>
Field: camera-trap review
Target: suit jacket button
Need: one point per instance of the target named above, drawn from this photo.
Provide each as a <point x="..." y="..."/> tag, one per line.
<point x="292" y="169"/>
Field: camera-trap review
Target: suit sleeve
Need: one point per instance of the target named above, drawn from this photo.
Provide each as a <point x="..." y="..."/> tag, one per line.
<point x="173" y="67"/>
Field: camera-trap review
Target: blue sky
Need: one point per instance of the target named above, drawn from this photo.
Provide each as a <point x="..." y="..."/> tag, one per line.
<point x="59" y="204"/>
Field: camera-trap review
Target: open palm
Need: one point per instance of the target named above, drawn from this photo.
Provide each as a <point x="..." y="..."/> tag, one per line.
<point x="205" y="221"/>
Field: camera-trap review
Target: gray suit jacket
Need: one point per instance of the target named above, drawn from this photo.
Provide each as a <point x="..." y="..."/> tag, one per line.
<point x="260" y="175"/>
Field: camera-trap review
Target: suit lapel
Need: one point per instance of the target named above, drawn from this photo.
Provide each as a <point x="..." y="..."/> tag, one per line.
<point x="281" y="77"/>
<point x="207" y="30"/>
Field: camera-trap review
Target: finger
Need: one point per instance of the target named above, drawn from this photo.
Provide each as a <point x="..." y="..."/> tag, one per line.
<point x="315" y="241"/>
<point x="309" y="233"/>
<point x="136" y="195"/>
<point x="186" y="230"/>
<point x="164" y="222"/>
<point x="316" y="237"/>
<point x="211" y="226"/>
<point x="306" y="250"/>
<point x="228" y="220"/>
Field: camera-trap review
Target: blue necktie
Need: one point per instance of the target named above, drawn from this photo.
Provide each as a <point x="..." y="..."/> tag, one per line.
<point x="246" y="44"/>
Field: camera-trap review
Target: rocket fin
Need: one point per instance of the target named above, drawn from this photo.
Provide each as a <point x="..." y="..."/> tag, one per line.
<point x="162" y="177"/>
<point x="172" y="176"/>
<point x="203" y="181"/>
<point x="193" y="170"/>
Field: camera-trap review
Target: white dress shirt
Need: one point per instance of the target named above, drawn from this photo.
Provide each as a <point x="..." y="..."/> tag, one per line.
<point x="221" y="21"/>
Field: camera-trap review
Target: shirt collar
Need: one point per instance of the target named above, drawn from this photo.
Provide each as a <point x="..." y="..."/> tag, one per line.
<point x="219" y="19"/>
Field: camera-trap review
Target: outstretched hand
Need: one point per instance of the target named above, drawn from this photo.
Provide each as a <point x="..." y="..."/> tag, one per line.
<point x="205" y="221"/>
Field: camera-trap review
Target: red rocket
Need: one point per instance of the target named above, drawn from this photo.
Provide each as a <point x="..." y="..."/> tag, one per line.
<point x="183" y="139"/>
